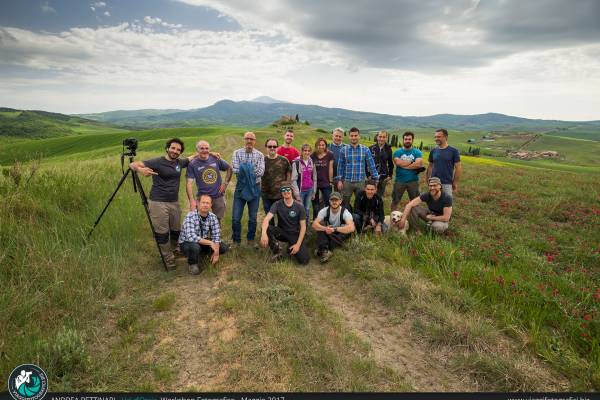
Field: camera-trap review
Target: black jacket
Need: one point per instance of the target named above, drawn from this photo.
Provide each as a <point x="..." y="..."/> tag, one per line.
<point x="366" y="208"/>
<point x="384" y="160"/>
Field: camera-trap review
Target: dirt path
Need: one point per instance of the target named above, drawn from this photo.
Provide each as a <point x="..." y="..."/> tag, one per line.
<point x="191" y="332"/>
<point x="392" y="345"/>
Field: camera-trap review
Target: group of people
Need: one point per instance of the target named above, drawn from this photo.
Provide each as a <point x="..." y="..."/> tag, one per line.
<point x="290" y="182"/>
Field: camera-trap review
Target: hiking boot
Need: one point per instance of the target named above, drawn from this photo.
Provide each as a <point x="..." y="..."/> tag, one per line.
<point x="194" y="270"/>
<point x="253" y="244"/>
<point x="234" y="245"/>
<point x="325" y="256"/>
<point x="171" y="267"/>
<point x="177" y="253"/>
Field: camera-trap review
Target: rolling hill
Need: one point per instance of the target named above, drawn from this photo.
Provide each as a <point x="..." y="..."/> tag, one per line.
<point x="261" y="112"/>
<point x="43" y="124"/>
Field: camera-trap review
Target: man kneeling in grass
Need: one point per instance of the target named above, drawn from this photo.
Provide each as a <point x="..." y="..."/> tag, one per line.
<point x="436" y="213"/>
<point x="333" y="224"/>
<point x="291" y="227"/>
<point x="201" y="235"/>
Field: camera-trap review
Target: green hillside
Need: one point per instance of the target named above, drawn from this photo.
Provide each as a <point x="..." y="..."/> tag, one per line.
<point x="507" y="301"/>
<point x="42" y="124"/>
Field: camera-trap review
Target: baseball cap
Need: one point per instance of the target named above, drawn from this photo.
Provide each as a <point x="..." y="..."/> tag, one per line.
<point x="335" y="195"/>
<point x="434" y="179"/>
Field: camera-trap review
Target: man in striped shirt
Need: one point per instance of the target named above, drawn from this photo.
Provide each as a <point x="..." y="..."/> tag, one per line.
<point x="351" y="172"/>
<point x="201" y="235"/>
<point x="249" y="166"/>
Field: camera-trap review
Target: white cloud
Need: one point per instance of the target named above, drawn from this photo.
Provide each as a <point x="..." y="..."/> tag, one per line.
<point x="100" y="4"/>
<point x="46" y="8"/>
<point x="144" y="65"/>
<point x="107" y="14"/>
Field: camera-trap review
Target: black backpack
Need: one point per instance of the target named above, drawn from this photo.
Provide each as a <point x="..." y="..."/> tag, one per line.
<point x="327" y="215"/>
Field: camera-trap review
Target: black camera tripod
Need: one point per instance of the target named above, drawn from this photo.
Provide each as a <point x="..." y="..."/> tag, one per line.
<point x="137" y="187"/>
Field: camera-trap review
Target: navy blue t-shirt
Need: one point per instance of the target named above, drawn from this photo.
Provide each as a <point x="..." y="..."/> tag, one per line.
<point x="443" y="163"/>
<point x="436" y="206"/>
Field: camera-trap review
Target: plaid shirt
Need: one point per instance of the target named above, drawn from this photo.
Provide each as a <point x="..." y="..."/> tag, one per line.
<point x="195" y="228"/>
<point x="256" y="158"/>
<point x="351" y="166"/>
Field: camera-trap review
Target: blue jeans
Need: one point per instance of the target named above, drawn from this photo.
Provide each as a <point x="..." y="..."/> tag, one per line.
<point x="321" y="201"/>
<point x="306" y="198"/>
<point x="267" y="203"/>
<point x="238" y="213"/>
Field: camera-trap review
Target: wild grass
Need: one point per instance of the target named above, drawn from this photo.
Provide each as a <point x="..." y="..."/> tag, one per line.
<point x="522" y="255"/>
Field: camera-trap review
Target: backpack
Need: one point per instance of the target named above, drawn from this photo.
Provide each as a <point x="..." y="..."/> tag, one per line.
<point x="328" y="214"/>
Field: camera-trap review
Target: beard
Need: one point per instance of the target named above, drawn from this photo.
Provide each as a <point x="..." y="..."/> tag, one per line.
<point x="407" y="145"/>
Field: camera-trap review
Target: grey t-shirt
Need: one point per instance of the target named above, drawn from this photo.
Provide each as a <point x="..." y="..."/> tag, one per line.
<point x="334" y="219"/>
<point x="165" y="185"/>
<point x="288" y="218"/>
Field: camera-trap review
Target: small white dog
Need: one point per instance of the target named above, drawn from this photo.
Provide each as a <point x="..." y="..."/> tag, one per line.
<point x="393" y="222"/>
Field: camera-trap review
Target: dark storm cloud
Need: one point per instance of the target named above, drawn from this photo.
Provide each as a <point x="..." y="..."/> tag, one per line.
<point x="434" y="34"/>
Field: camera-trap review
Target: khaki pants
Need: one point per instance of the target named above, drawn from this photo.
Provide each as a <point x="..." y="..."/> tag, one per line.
<point x="420" y="213"/>
<point x="166" y="218"/>
<point x="351" y="188"/>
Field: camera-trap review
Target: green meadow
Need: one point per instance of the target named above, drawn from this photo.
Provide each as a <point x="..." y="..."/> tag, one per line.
<point x="508" y="300"/>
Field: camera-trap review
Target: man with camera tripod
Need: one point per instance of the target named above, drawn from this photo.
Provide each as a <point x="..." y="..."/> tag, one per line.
<point x="164" y="195"/>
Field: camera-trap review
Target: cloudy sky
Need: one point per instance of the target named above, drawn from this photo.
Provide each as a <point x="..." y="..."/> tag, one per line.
<point x="534" y="58"/>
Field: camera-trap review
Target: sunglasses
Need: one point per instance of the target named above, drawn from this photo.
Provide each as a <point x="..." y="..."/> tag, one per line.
<point x="271" y="147"/>
<point x="285" y="190"/>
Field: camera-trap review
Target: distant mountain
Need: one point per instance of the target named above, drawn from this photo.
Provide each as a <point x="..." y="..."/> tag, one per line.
<point x="267" y="100"/>
<point x="42" y="124"/>
<point x="255" y="113"/>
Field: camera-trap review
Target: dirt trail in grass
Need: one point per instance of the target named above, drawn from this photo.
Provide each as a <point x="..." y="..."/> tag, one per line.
<point x="191" y="332"/>
<point x="393" y="345"/>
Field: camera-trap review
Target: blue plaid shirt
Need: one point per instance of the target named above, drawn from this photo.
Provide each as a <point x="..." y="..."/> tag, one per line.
<point x="195" y="228"/>
<point x="351" y="166"/>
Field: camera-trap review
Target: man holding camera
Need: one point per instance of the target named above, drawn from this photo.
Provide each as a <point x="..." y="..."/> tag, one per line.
<point x="164" y="196"/>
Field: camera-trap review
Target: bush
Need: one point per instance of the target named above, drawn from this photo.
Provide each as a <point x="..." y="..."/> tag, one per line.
<point x="66" y="353"/>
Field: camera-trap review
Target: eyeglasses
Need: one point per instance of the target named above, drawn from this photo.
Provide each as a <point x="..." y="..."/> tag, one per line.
<point x="203" y="148"/>
<point x="271" y="147"/>
<point x="285" y="190"/>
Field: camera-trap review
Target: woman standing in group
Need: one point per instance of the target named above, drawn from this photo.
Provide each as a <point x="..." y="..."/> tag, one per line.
<point x="323" y="161"/>
<point x="304" y="178"/>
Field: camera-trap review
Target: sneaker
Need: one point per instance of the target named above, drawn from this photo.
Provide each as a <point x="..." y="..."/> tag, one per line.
<point x="325" y="256"/>
<point x="275" y="257"/>
<point x="194" y="270"/>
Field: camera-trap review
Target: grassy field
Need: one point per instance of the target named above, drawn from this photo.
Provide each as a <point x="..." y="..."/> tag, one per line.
<point x="507" y="301"/>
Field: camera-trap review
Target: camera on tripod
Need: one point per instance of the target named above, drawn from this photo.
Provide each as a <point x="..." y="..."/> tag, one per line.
<point x="131" y="144"/>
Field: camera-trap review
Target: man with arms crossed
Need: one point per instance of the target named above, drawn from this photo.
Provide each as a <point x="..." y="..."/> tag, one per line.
<point x="164" y="196"/>
<point x="291" y="227"/>
<point x="201" y="235"/>
<point x="436" y="213"/>
<point x="333" y="224"/>
<point x="382" y="154"/>
<point x="444" y="163"/>
<point x="408" y="160"/>
<point x="205" y="170"/>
